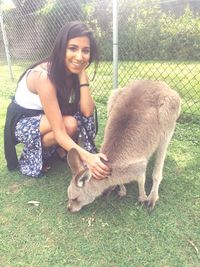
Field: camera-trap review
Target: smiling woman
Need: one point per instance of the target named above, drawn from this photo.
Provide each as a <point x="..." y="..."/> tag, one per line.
<point x="53" y="105"/>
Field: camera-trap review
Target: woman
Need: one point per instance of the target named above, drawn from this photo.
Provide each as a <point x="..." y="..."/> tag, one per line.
<point x="52" y="103"/>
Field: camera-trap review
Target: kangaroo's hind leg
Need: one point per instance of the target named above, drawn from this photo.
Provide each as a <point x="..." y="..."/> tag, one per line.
<point x="158" y="171"/>
<point x="141" y="187"/>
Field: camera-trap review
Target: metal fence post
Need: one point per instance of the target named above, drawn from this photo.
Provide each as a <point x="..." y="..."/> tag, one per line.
<point x="5" y="41"/>
<point x="115" y="44"/>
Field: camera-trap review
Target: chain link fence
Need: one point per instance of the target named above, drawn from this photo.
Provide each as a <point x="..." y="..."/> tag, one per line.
<point x="156" y="42"/>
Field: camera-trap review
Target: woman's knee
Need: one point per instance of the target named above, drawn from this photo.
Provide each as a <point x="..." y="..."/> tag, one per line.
<point x="44" y="127"/>
<point x="71" y="125"/>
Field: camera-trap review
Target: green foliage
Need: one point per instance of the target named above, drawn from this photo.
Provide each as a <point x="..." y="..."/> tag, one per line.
<point x="183" y="37"/>
<point x="152" y="34"/>
<point x="145" y="32"/>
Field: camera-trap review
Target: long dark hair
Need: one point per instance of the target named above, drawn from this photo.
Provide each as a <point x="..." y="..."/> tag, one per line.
<point x="56" y="62"/>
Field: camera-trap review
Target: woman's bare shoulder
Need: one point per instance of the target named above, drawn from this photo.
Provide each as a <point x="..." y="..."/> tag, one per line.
<point x="38" y="78"/>
<point x="40" y="71"/>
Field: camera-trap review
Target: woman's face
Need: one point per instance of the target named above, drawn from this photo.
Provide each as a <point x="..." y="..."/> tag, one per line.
<point x="77" y="54"/>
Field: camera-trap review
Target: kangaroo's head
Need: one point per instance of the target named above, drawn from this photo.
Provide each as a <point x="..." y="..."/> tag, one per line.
<point x="79" y="190"/>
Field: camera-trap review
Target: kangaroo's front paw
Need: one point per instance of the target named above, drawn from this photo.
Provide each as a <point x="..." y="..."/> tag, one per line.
<point x="108" y="192"/>
<point x="122" y="191"/>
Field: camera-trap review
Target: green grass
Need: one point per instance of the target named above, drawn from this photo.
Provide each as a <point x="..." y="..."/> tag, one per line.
<point x="111" y="232"/>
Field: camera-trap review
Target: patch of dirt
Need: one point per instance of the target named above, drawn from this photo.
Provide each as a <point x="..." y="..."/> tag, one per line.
<point x="15" y="188"/>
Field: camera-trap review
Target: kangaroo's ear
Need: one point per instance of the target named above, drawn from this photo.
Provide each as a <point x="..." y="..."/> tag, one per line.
<point x="82" y="177"/>
<point x="74" y="161"/>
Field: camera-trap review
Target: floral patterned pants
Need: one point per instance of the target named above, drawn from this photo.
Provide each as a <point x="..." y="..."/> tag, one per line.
<point x="27" y="132"/>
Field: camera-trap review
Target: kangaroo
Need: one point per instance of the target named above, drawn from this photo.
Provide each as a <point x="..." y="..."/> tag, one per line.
<point x="141" y="120"/>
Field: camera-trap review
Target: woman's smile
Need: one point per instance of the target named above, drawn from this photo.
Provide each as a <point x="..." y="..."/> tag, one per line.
<point x="77" y="54"/>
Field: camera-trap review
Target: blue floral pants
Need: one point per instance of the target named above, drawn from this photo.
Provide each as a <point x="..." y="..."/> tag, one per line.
<point x="33" y="154"/>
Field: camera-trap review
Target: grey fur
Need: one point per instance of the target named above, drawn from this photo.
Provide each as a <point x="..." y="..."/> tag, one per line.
<point x="141" y="120"/>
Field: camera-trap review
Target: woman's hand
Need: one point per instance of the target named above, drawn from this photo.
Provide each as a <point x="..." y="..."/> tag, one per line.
<point x="83" y="77"/>
<point x="99" y="169"/>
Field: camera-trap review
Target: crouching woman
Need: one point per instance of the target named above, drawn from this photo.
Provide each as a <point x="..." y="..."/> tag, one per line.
<point x="53" y="104"/>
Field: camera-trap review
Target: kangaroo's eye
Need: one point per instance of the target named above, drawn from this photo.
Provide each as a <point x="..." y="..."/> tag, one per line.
<point x="75" y="199"/>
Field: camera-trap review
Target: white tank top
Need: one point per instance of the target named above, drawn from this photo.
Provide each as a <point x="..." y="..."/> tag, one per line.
<point x="25" y="98"/>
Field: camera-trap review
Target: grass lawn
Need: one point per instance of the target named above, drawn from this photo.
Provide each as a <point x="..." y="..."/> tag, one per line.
<point x="109" y="232"/>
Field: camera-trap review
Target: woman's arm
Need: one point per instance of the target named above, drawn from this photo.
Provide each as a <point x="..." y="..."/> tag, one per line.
<point x="47" y="93"/>
<point x="86" y="100"/>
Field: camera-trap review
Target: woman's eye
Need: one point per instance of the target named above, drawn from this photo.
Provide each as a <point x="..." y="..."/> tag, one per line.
<point x="86" y="51"/>
<point x="73" y="49"/>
